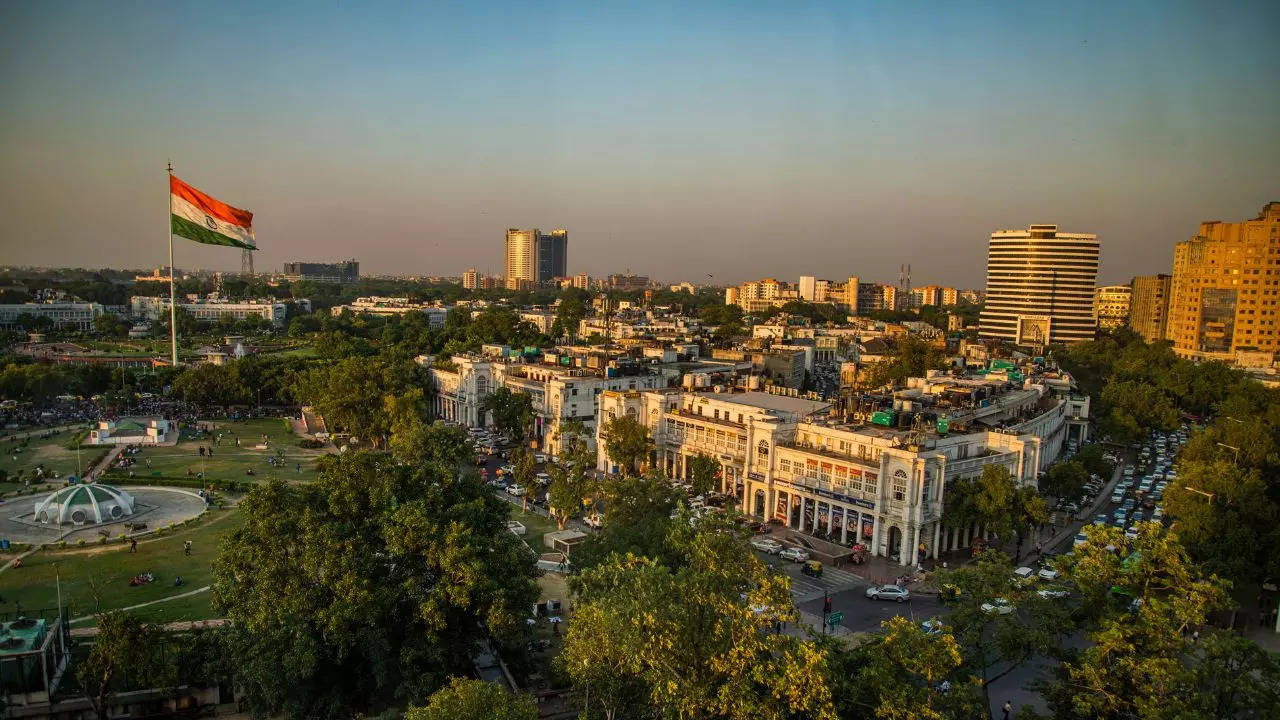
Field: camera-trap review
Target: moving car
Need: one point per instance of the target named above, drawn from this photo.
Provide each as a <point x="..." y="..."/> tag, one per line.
<point x="932" y="626"/>
<point x="1081" y="539"/>
<point x="794" y="554"/>
<point x="766" y="545"/>
<point x="999" y="606"/>
<point x="896" y="593"/>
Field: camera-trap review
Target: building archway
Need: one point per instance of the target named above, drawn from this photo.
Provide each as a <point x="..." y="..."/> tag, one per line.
<point x="895" y="541"/>
<point x="759" y="506"/>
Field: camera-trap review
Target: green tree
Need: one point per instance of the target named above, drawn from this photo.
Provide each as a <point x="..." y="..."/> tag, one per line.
<point x="368" y="587"/>
<point x="525" y="470"/>
<point x="127" y="654"/>
<point x="1092" y="458"/>
<point x="1065" y="479"/>
<point x="570" y="311"/>
<point x="702" y="473"/>
<point x="111" y="326"/>
<point x="995" y="644"/>
<point x="1140" y="600"/>
<point x="1226" y="520"/>
<point x="626" y="442"/>
<point x="913" y="357"/>
<point x="211" y="385"/>
<point x="694" y="640"/>
<point x="1231" y="677"/>
<point x="900" y="674"/>
<point x="468" y="699"/>
<point x="512" y="412"/>
<point x="573" y="478"/>
<point x="640" y="521"/>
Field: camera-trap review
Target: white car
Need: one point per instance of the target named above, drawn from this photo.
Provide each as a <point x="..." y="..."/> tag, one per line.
<point x="932" y="626"/>
<point x="888" y="592"/>
<point x="999" y="606"/>
<point x="766" y="545"/>
<point x="540" y="458"/>
<point x="1052" y="593"/>
<point x="1081" y="539"/>
<point x="1048" y="574"/>
<point x="794" y="554"/>
<point x="543" y="479"/>
<point x="515" y="489"/>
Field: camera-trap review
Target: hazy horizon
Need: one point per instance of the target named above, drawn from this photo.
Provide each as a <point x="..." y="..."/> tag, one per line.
<point x="772" y="139"/>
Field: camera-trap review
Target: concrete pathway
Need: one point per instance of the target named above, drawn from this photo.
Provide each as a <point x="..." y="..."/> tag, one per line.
<point x="177" y="625"/>
<point x="189" y="593"/>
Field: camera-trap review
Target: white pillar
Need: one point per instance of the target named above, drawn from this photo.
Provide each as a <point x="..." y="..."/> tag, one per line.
<point x="790" y="509"/>
<point x="844" y="526"/>
<point x="803" y="502"/>
<point x="831" y="516"/>
<point x="937" y="538"/>
<point x="915" y="547"/>
<point x="875" y="534"/>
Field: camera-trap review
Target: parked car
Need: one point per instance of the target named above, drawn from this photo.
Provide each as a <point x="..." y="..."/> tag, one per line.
<point x="1100" y="519"/>
<point x="1080" y="539"/>
<point x="1024" y="574"/>
<point x="540" y="458"/>
<point x="794" y="554"/>
<point x="766" y="545"/>
<point x="1048" y="574"/>
<point x="932" y="626"/>
<point x="515" y="489"/>
<point x="999" y="606"/>
<point x="1052" y="593"/>
<point x="896" y="593"/>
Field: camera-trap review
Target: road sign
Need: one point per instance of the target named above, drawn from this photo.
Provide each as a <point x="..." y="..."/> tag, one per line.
<point x="835" y="618"/>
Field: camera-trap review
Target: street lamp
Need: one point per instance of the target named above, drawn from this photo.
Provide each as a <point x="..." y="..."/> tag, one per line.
<point x="1232" y="447"/>
<point x="1199" y="492"/>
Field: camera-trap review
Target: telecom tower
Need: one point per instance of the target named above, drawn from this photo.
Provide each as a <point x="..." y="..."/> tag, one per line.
<point x="246" y="262"/>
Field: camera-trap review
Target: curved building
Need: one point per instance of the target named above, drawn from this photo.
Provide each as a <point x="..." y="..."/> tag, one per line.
<point x="1040" y="285"/>
<point x="87" y="504"/>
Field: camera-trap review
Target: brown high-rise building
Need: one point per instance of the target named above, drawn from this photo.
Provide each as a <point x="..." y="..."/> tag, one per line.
<point x="1149" y="306"/>
<point x="1225" y="291"/>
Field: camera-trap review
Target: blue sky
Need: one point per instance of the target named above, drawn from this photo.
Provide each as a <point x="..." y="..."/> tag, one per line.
<point x="672" y="139"/>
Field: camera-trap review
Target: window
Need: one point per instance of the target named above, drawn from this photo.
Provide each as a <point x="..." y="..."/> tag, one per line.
<point x="869" y="483"/>
<point x="784" y="465"/>
<point x="763" y="449"/>
<point x="899" y="485"/>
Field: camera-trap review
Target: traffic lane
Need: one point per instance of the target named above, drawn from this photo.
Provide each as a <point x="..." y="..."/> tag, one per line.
<point x="795" y="571"/>
<point x="864" y="615"/>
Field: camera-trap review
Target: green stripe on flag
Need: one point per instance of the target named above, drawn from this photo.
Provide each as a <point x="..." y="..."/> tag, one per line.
<point x="184" y="228"/>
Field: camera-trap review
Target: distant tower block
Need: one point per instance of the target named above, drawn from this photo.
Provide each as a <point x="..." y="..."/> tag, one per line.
<point x="246" y="262"/>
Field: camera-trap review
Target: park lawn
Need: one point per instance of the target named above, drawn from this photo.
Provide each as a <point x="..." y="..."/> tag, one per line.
<point x="110" y="567"/>
<point x="535" y="527"/>
<point x="52" y="452"/>
<point x="230" y="462"/>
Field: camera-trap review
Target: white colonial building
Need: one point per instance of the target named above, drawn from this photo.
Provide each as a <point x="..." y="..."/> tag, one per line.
<point x="560" y="394"/>
<point x="882" y="481"/>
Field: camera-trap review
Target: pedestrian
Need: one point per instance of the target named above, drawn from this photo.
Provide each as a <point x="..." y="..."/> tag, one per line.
<point x="133" y="545"/>
<point x="1008" y="709"/>
<point x="186" y="547"/>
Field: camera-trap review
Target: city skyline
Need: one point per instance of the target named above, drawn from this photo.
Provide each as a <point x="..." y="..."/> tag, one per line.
<point x="707" y="141"/>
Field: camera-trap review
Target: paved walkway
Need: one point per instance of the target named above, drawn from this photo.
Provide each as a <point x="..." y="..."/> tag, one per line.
<point x="189" y="593"/>
<point x="177" y="625"/>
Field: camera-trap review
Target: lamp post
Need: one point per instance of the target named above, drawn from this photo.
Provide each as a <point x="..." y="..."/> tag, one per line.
<point x="1232" y="447"/>
<point x="1199" y="492"/>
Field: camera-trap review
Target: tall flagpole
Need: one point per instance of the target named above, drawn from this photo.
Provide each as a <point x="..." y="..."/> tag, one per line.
<point x="173" y="294"/>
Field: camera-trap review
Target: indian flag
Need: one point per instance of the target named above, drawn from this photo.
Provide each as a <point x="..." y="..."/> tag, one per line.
<point x="200" y="218"/>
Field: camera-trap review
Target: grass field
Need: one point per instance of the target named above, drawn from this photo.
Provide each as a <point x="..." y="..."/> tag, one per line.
<point x="230" y="462"/>
<point x="109" y="567"/>
<point x="52" y="452"/>
<point x="535" y="527"/>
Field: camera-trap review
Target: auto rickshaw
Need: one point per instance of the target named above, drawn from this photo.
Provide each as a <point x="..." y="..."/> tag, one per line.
<point x="812" y="568"/>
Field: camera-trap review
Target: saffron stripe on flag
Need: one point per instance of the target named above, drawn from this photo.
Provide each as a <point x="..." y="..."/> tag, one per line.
<point x="210" y="205"/>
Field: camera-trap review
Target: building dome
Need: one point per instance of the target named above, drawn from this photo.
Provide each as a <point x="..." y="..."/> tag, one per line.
<point x="87" y="504"/>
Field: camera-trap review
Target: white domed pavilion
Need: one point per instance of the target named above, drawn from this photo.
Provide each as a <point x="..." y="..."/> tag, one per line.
<point x="87" y="504"/>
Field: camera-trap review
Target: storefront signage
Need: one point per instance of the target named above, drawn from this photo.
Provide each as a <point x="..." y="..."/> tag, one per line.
<point x="828" y="494"/>
<point x="755" y="476"/>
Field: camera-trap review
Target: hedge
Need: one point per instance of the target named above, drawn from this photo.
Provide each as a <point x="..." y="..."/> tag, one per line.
<point x="179" y="481"/>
